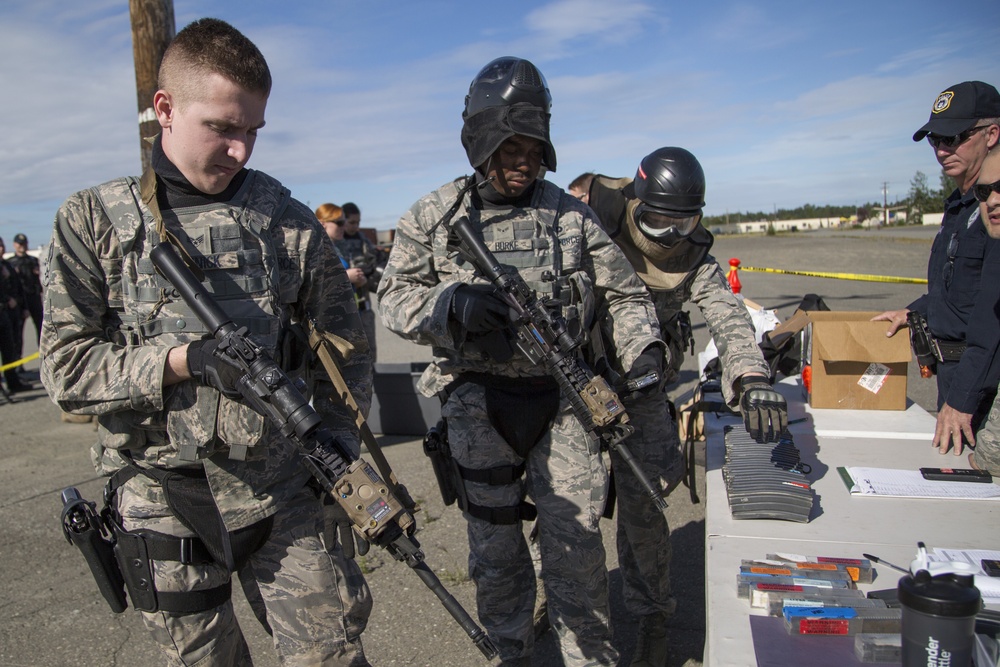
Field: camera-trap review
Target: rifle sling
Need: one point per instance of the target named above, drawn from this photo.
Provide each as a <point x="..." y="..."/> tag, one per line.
<point x="321" y="343"/>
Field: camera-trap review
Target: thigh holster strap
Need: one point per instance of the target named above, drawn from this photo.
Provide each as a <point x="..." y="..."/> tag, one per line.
<point x="503" y="515"/>
<point x="193" y="602"/>
<point x="186" y="550"/>
<point x="135" y="553"/>
<point x="495" y="476"/>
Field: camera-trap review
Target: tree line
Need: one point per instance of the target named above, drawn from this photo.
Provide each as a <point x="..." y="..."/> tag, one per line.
<point x="920" y="199"/>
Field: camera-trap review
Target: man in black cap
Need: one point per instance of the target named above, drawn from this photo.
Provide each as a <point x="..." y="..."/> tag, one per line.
<point x="963" y="273"/>
<point x="29" y="271"/>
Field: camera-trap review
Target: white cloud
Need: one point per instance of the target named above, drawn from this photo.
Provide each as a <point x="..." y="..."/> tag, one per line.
<point x="751" y="28"/>
<point x="70" y="110"/>
<point x="599" y="20"/>
<point x="927" y="55"/>
<point x="778" y="111"/>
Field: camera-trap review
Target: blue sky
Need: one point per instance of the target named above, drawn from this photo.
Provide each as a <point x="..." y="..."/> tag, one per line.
<point x="784" y="103"/>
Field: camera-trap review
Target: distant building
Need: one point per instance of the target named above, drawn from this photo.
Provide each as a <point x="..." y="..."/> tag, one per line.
<point x="808" y="224"/>
<point x="759" y="226"/>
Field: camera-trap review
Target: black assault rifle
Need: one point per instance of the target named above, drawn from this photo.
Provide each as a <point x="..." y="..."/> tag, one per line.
<point x="372" y="506"/>
<point x="544" y="338"/>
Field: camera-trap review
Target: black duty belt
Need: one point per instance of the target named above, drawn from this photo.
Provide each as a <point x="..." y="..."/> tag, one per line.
<point x="949" y="350"/>
<point x="504" y="382"/>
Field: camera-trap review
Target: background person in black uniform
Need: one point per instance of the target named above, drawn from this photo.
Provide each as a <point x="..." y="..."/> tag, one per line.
<point x="963" y="272"/>
<point x="11" y="305"/>
<point x="29" y="271"/>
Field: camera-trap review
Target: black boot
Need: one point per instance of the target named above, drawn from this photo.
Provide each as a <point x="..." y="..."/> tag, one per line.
<point x="651" y="643"/>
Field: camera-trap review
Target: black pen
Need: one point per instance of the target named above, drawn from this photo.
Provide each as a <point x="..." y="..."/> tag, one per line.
<point x="875" y="559"/>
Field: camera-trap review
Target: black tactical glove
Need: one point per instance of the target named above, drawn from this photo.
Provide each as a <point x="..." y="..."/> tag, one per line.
<point x="765" y="413"/>
<point x="211" y="368"/>
<point x="646" y="372"/>
<point x="351" y="543"/>
<point x="478" y="309"/>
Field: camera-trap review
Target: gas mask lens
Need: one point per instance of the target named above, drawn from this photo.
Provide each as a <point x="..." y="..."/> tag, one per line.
<point x="658" y="224"/>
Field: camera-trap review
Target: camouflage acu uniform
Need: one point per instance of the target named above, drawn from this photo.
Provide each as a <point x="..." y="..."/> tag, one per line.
<point x="674" y="277"/>
<point x="359" y="252"/>
<point x="104" y="346"/>
<point x="987" y="452"/>
<point x="564" y="475"/>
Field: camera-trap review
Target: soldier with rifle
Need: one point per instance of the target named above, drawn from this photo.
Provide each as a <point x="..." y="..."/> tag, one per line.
<point x="526" y="417"/>
<point x="202" y="484"/>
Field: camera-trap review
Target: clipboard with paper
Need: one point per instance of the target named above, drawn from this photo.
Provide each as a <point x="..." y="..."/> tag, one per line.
<point x="896" y="483"/>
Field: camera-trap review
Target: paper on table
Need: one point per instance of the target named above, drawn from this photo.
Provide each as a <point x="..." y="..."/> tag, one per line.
<point x="910" y="484"/>
<point x="988" y="586"/>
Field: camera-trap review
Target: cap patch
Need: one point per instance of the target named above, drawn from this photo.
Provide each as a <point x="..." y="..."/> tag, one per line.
<point x="942" y="102"/>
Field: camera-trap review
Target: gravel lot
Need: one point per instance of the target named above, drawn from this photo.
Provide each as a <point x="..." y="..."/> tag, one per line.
<point x="50" y="613"/>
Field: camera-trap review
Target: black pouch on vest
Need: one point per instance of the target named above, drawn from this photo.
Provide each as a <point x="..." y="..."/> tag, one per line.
<point x="190" y="499"/>
<point x="137" y="569"/>
<point x="522" y="410"/>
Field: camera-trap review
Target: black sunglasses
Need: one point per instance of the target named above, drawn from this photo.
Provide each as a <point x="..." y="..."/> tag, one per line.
<point x="936" y="140"/>
<point x="982" y="191"/>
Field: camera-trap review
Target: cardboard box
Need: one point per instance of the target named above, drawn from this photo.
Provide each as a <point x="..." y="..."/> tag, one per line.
<point x="397" y="407"/>
<point x="854" y="365"/>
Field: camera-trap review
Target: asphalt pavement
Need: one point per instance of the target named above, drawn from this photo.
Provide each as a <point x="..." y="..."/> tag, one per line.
<point x="51" y="613"/>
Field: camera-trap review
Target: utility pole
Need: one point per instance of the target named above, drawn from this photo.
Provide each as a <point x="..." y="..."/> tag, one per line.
<point x="152" y="30"/>
<point x="885" y="203"/>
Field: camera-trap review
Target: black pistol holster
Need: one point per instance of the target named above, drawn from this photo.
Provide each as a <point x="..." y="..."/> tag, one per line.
<point x="135" y="552"/>
<point x="137" y="569"/>
<point x="86" y="529"/>
<point x="122" y="560"/>
<point x="436" y="449"/>
<point x="451" y="478"/>
<point x="922" y="343"/>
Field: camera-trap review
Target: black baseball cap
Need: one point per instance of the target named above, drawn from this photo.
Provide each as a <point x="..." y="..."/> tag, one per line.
<point x="959" y="108"/>
<point x="21" y="238"/>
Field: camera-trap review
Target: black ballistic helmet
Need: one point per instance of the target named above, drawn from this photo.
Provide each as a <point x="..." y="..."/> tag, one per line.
<point x="670" y="185"/>
<point x="509" y="96"/>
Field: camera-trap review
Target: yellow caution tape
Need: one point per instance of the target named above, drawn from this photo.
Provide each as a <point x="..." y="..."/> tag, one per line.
<point x="15" y="364"/>
<point x="841" y="276"/>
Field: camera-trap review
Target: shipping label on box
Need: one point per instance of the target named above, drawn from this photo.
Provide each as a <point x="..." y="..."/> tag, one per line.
<point x="854" y="365"/>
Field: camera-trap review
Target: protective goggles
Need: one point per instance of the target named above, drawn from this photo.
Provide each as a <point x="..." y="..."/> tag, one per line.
<point x="982" y="191"/>
<point x="656" y="222"/>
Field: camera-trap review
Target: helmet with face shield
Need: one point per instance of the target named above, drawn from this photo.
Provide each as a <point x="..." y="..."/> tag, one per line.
<point x="670" y="186"/>
<point x="508" y="96"/>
